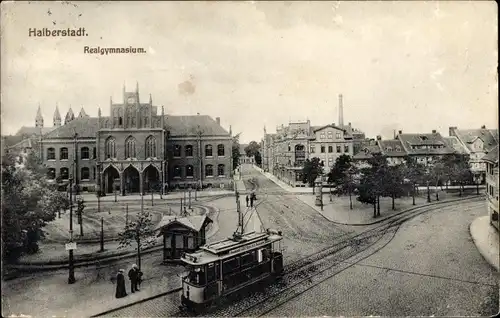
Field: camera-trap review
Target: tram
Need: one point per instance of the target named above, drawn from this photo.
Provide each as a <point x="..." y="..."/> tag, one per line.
<point x="220" y="269"/>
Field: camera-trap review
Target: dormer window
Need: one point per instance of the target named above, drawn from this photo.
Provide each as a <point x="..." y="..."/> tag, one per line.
<point x="423" y="137"/>
<point x="388" y="149"/>
<point x="398" y="148"/>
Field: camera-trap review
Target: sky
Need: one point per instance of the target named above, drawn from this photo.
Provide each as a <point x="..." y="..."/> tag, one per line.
<point x="411" y="66"/>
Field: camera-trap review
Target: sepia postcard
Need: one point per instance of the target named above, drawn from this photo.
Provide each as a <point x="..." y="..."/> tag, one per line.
<point x="249" y="158"/>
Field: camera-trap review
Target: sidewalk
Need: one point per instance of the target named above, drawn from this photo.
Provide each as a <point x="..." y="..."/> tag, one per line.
<point x="338" y="210"/>
<point x="486" y="238"/>
<point x="93" y="293"/>
<point x="91" y="197"/>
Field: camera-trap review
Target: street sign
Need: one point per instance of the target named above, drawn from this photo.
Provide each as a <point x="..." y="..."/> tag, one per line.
<point x="70" y="246"/>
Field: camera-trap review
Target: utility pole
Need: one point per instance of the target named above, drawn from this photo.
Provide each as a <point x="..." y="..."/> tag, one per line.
<point x="200" y="158"/>
<point x="189" y="197"/>
<point x="98" y="188"/>
<point x="181" y="205"/>
<point x="77" y="190"/>
<point x="102" y="234"/>
<point x="126" y="214"/>
<point x="71" y="277"/>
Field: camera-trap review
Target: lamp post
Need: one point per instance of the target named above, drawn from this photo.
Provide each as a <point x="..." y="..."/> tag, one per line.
<point x="318" y="183"/>
<point x="98" y="188"/>
<point x="71" y="277"/>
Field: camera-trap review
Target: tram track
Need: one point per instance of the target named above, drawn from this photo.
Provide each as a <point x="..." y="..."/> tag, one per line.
<point x="306" y="272"/>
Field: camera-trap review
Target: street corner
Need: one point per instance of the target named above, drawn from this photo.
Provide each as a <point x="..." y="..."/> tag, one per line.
<point x="486" y="238"/>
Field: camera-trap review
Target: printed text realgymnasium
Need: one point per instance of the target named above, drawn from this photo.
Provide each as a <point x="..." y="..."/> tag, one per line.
<point x="113" y="50"/>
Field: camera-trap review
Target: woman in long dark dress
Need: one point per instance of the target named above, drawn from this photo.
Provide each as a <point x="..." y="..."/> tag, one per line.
<point x="120" y="284"/>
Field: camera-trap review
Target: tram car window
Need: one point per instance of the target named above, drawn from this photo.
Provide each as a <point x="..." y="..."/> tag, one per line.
<point x="197" y="276"/>
<point x="211" y="272"/>
<point x="230" y="266"/>
<point x="248" y="259"/>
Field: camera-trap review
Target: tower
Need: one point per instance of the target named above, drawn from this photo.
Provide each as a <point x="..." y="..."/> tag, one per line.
<point x="83" y="114"/>
<point x="39" y="118"/>
<point x="57" y="117"/>
<point x="341" y="112"/>
<point x="69" y="116"/>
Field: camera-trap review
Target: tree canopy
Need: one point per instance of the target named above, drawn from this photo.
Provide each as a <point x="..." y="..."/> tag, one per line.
<point x="235" y="150"/>
<point x="28" y="203"/>
<point x="311" y="170"/>
<point x="252" y="149"/>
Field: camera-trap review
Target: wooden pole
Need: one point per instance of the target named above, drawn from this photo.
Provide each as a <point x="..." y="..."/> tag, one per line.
<point x="102" y="234"/>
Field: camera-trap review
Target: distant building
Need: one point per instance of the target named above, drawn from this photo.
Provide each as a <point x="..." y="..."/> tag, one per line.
<point x="476" y="142"/>
<point x="284" y="152"/>
<point x="243" y="155"/>
<point x="491" y="161"/>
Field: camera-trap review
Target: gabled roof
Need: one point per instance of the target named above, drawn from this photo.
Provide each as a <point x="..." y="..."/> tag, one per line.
<point x="492" y="156"/>
<point x="193" y="222"/>
<point x="319" y="128"/>
<point x="454" y="143"/>
<point x="468" y="136"/>
<point x="30" y="131"/>
<point x="392" y="148"/>
<point x="9" y="141"/>
<point x="409" y="140"/>
<point x="85" y="128"/>
<point x="367" y="152"/>
<point x="188" y="126"/>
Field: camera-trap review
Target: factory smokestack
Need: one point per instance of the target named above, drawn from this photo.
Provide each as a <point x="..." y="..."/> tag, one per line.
<point x="341" y="112"/>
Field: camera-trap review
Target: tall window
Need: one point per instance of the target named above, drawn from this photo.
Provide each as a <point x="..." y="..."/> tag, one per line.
<point x="337" y="135"/>
<point x="322" y="135"/>
<point x="346" y="148"/>
<point x="64" y="173"/>
<point x="208" y="151"/>
<point x="94" y="154"/>
<point x="189" y="151"/>
<point x="338" y="149"/>
<point x="220" y="170"/>
<point x="330" y="149"/>
<point x="85" y="153"/>
<point x="110" y="148"/>
<point x="312" y="149"/>
<point x="177" y="172"/>
<point x="177" y="150"/>
<point x="189" y="171"/>
<point x="209" y="171"/>
<point x="63" y="153"/>
<point x="220" y="150"/>
<point x="85" y="173"/>
<point x="130" y="148"/>
<point x="51" y="173"/>
<point x="51" y="154"/>
<point x="150" y="147"/>
<point x="322" y="149"/>
<point x="330" y="135"/>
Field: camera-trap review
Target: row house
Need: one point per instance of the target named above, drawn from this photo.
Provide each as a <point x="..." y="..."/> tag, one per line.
<point x="491" y="162"/>
<point x="243" y="158"/>
<point x="477" y="143"/>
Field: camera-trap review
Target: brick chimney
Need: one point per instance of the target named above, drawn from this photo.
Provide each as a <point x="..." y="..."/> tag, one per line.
<point x="434" y="131"/>
<point x="483" y="127"/>
<point x="341" y="112"/>
<point x="379" y="137"/>
<point x="217" y="119"/>
<point x="400" y="132"/>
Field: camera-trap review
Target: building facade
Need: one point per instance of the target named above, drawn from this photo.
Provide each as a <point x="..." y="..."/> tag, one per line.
<point x="491" y="162"/>
<point x="284" y="152"/>
<point x="477" y="143"/>
<point x="138" y="148"/>
<point x="243" y="158"/>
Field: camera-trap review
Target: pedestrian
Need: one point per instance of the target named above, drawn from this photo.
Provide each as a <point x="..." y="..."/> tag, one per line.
<point x="133" y="275"/>
<point x="251" y="201"/>
<point x="120" y="284"/>
<point x="247" y="200"/>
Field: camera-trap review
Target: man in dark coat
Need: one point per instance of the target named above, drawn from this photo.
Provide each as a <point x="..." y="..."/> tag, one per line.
<point x="133" y="275"/>
<point x="120" y="285"/>
<point x="247" y="200"/>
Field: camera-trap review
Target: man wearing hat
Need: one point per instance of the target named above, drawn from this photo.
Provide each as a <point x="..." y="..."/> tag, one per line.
<point x="133" y="275"/>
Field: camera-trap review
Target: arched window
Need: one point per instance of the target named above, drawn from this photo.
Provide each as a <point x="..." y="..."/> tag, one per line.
<point x="209" y="171"/>
<point x="130" y="148"/>
<point x="189" y="171"/>
<point x="51" y="173"/>
<point x="220" y="170"/>
<point x="208" y="151"/>
<point x="51" y="154"/>
<point x="145" y="116"/>
<point x="85" y="173"/>
<point x="64" y="173"/>
<point x="110" y="148"/>
<point x="220" y="150"/>
<point x="94" y="154"/>
<point x="177" y="150"/>
<point x="63" y="153"/>
<point x="150" y="147"/>
<point x="189" y="151"/>
<point x="85" y="153"/>
<point x="177" y="172"/>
